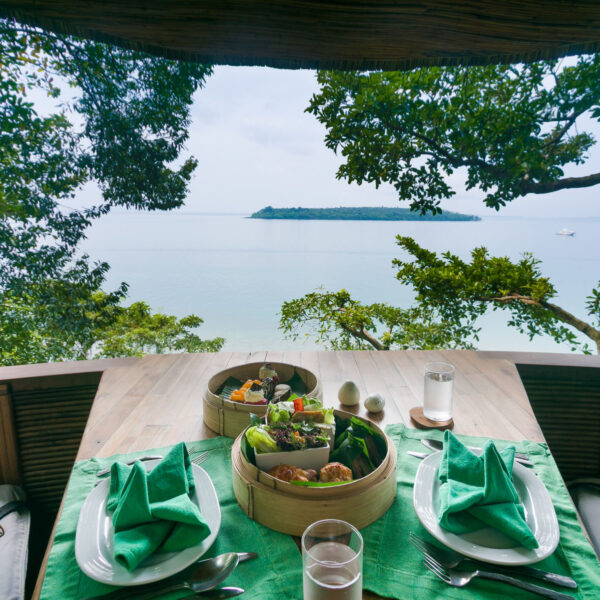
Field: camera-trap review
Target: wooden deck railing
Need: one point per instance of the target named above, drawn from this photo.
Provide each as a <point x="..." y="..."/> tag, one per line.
<point x="43" y="412"/>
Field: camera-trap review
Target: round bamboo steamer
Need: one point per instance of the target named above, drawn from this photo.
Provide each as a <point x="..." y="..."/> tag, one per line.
<point x="229" y="418"/>
<point x="291" y="508"/>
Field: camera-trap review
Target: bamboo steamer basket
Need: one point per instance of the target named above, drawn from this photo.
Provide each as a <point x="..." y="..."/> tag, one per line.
<point x="291" y="509"/>
<point x="229" y="418"/>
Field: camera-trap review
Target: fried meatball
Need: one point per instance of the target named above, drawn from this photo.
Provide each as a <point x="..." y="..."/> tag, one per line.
<point x="335" y="471"/>
<point x="290" y="473"/>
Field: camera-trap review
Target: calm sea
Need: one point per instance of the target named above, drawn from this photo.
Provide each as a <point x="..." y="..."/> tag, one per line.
<point x="236" y="272"/>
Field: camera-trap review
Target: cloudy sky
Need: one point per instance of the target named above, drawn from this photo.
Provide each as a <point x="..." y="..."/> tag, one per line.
<point x="256" y="147"/>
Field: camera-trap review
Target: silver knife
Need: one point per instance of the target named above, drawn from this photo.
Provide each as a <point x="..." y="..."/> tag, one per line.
<point x="216" y="594"/>
<point x="436" y="445"/>
<point x="129" y="462"/>
<point x="420" y="455"/>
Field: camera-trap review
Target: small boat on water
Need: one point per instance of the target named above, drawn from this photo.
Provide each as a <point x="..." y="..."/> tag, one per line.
<point x="565" y="231"/>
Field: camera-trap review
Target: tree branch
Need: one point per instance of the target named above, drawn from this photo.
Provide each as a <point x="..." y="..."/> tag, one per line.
<point x="363" y="335"/>
<point x="528" y="187"/>
<point x="511" y="298"/>
<point x="560" y="313"/>
<point x="552" y="141"/>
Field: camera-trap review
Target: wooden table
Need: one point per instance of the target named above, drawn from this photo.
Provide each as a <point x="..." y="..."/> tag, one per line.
<point x="158" y="400"/>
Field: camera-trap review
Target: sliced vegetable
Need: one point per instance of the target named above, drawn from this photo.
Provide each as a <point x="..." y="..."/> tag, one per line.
<point x="298" y="404"/>
<point x="317" y="483"/>
<point x="329" y="417"/>
<point x="237" y="396"/>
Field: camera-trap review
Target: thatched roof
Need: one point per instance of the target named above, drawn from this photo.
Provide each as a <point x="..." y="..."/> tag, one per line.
<point x="345" y="34"/>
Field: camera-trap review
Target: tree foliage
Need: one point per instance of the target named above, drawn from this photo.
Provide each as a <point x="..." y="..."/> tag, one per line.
<point x="134" y="331"/>
<point x="120" y="120"/>
<point x="69" y="320"/>
<point x="513" y="128"/>
<point x="357" y="213"/>
<point x="342" y="323"/>
<point x="463" y="291"/>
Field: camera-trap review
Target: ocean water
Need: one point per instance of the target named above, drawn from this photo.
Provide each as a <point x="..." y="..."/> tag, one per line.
<point x="236" y="272"/>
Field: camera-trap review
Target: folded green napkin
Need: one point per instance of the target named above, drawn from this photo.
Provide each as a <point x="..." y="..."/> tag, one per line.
<point x="477" y="491"/>
<point x="154" y="511"/>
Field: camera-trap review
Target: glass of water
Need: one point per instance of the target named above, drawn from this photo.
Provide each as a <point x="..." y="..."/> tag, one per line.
<point x="332" y="557"/>
<point x="437" y="395"/>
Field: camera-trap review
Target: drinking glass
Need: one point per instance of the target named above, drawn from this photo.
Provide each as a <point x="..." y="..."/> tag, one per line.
<point x="437" y="395"/>
<point x="332" y="561"/>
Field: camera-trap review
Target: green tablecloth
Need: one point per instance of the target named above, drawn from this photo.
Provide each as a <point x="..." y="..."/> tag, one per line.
<point x="393" y="568"/>
<point x="276" y="574"/>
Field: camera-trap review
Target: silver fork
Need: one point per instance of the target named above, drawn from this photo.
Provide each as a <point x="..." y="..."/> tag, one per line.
<point x="437" y="446"/>
<point x="198" y="457"/>
<point x="450" y="558"/>
<point x="460" y="578"/>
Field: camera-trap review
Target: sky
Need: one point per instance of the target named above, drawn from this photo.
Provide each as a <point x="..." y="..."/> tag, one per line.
<point x="257" y="147"/>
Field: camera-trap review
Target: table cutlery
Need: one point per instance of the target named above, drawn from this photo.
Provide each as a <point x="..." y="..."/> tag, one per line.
<point x="450" y="558"/>
<point x="200" y="577"/>
<point x="197" y="460"/>
<point x="217" y="594"/>
<point x="129" y="462"/>
<point x="460" y="578"/>
<point x="200" y="458"/>
<point x="420" y="455"/>
<point x="437" y="446"/>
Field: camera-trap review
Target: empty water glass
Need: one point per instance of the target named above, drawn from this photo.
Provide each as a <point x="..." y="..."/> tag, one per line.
<point x="332" y="561"/>
<point x="437" y="395"/>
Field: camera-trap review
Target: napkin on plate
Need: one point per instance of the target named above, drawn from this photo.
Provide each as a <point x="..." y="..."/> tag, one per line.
<point x="477" y="491"/>
<point x="154" y="511"/>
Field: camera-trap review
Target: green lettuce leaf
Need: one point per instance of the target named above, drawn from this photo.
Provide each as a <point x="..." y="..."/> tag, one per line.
<point x="260" y="440"/>
<point x="279" y="414"/>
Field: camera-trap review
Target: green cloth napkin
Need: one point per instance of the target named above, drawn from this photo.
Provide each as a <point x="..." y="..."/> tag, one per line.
<point x="393" y="568"/>
<point x="477" y="491"/>
<point x="276" y="574"/>
<point x="154" y="511"/>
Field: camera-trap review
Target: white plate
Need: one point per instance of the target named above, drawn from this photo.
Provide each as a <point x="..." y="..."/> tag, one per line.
<point x="94" y="537"/>
<point x="488" y="544"/>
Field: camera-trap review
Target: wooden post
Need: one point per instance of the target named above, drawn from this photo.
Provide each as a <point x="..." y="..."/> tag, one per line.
<point x="9" y="453"/>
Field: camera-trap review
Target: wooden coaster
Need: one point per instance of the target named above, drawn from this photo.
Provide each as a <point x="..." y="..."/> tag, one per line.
<point x="422" y="422"/>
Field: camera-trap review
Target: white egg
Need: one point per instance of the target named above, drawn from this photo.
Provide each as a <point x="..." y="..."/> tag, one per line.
<point x="349" y="394"/>
<point x="375" y="403"/>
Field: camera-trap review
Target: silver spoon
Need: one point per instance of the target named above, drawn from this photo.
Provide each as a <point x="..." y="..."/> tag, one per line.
<point x="206" y="575"/>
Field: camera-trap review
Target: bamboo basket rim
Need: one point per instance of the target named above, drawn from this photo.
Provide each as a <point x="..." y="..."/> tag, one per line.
<point x="259" y="409"/>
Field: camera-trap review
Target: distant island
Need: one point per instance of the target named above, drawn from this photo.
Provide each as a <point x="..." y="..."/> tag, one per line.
<point x="362" y="213"/>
